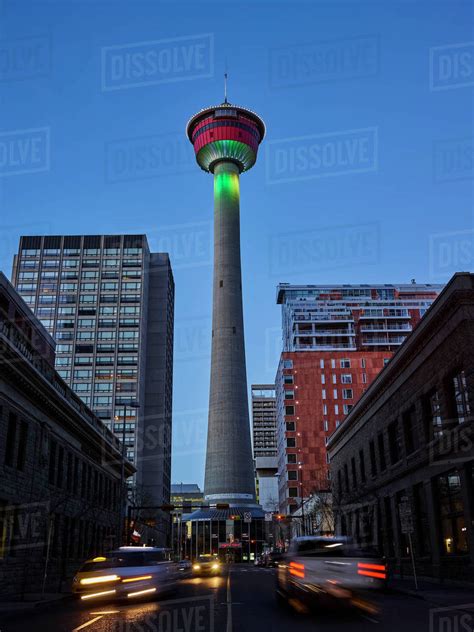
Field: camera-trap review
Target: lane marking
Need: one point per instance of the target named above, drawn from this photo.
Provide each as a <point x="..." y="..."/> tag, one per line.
<point x="84" y="625"/>
<point x="229" y="605"/>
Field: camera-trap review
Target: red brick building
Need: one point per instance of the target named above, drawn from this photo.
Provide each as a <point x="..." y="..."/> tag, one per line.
<point x="336" y="339"/>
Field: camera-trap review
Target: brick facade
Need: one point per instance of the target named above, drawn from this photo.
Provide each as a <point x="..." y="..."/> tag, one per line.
<point x="409" y="441"/>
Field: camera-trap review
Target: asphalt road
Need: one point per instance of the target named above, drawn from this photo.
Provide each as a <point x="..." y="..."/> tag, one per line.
<point x="241" y="600"/>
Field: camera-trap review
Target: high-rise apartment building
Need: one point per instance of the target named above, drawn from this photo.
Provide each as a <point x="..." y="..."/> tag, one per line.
<point x="109" y="304"/>
<point x="336" y="339"/>
<point x="265" y="445"/>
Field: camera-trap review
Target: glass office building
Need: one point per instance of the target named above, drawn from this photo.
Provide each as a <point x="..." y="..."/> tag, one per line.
<point x="109" y="303"/>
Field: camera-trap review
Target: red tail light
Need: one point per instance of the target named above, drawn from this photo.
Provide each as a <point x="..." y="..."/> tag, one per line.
<point x="297" y="570"/>
<point x="378" y="571"/>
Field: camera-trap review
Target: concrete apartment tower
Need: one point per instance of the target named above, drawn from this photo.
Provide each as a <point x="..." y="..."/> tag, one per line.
<point x="109" y="304"/>
<point x="226" y="139"/>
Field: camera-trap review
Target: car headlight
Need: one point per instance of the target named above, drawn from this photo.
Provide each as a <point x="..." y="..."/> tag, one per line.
<point x="100" y="580"/>
<point x="215" y="565"/>
<point x="197" y="567"/>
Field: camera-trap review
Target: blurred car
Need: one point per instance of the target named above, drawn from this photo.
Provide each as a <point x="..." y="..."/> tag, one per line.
<point x="128" y="573"/>
<point x="329" y="571"/>
<point x="260" y="561"/>
<point x="185" y="568"/>
<point x="206" y="565"/>
<point x="273" y="559"/>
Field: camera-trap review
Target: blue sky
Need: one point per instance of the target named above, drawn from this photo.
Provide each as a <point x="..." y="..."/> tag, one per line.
<point x="366" y="174"/>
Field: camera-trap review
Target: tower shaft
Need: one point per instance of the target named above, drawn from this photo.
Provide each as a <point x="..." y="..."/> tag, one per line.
<point x="229" y="470"/>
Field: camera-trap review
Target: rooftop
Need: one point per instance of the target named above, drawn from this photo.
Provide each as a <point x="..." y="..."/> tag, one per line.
<point x="405" y="288"/>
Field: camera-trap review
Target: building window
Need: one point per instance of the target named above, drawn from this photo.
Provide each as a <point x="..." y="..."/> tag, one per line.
<point x="347" y="393"/>
<point x="52" y="462"/>
<point x="362" y="363"/>
<point x="288" y="379"/>
<point x="321" y="364"/>
<point x="362" y="466"/>
<point x="290" y="426"/>
<point x="408" y="419"/>
<point x="291" y="458"/>
<point x="364" y="378"/>
<point x="381" y="446"/>
<point x="451" y="508"/>
<point x="292" y="475"/>
<point x="325" y="409"/>
<point x="289" y="410"/>
<point x="326" y="425"/>
<point x="323" y="393"/>
<point x="354" y="473"/>
<point x="334" y="393"/>
<point x="386" y="361"/>
<point x="289" y="395"/>
<point x="293" y="492"/>
<point x="333" y="363"/>
<point x="346" y="378"/>
<point x="433" y="419"/>
<point x="287" y="364"/>
<point x="373" y="462"/>
<point x="394" y="442"/>
<point x="336" y="409"/>
<point x="346" y="408"/>
<point x="291" y="442"/>
<point x="345" y="363"/>
<point x="323" y="379"/>
<point x="460" y="397"/>
<point x="11" y="439"/>
<point x="22" y="445"/>
<point x="422" y="520"/>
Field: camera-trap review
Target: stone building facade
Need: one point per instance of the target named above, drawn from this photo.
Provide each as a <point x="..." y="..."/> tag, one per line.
<point x="60" y="466"/>
<point x="403" y="462"/>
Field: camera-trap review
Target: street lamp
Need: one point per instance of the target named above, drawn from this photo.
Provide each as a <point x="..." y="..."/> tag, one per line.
<point x="123" y="501"/>
<point x="300" y="469"/>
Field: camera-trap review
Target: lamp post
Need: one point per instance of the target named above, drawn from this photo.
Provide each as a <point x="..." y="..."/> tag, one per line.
<point x="123" y="500"/>
<point x="300" y="469"/>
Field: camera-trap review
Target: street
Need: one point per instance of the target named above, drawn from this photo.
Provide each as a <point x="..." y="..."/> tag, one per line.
<point x="241" y="600"/>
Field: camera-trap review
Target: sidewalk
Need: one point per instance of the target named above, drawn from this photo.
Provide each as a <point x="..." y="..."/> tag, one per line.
<point x="32" y="601"/>
<point x="439" y="594"/>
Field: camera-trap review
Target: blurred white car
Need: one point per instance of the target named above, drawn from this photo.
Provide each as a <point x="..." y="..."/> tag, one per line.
<point x="129" y="573"/>
<point x="329" y="571"/>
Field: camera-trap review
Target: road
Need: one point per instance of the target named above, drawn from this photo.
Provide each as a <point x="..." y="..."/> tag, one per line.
<point x="241" y="600"/>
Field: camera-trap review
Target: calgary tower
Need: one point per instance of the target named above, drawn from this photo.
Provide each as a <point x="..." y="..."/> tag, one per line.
<point x="225" y="138"/>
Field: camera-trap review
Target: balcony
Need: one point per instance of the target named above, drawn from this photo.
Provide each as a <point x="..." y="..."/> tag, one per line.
<point x="383" y="314"/>
<point x="386" y="327"/>
<point x="396" y="340"/>
<point x="325" y="347"/>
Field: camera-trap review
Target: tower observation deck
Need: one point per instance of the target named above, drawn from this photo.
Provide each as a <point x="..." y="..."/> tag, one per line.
<point x="226" y="138"/>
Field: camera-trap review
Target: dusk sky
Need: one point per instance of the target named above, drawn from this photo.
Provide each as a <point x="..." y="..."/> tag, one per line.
<point x="365" y="176"/>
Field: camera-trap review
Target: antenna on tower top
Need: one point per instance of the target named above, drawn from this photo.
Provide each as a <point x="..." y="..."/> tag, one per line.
<point x="225" y="87"/>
